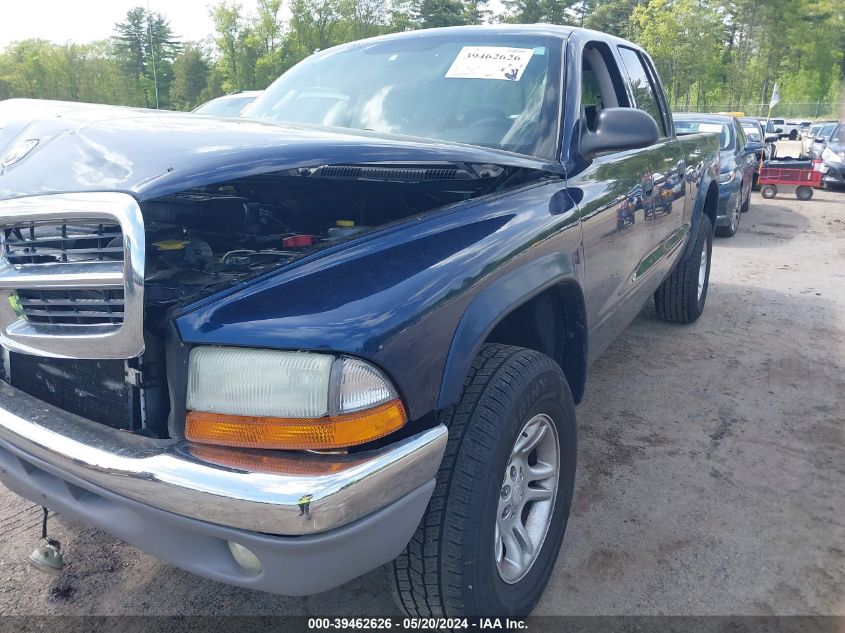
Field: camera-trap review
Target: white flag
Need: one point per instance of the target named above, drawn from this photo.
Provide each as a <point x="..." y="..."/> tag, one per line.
<point x="775" y="97"/>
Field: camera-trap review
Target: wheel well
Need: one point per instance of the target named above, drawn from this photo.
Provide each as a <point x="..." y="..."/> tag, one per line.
<point x="711" y="203"/>
<point x="554" y="323"/>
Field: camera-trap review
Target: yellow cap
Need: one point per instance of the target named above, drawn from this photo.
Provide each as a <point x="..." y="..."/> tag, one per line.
<point x="171" y="245"/>
<point x="345" y="223"/>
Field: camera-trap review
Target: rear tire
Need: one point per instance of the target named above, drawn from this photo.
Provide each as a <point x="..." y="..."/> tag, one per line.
<point x="804" y="193"/>
<point x="681" y="297"/>
<point x="768" y="191"/>
<point x="455" y="564"/>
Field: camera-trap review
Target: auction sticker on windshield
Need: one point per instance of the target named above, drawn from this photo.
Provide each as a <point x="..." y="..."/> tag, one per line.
<point x="490" y="62"/>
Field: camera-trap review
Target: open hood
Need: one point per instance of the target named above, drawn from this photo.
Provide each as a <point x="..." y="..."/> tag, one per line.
<point x="151" y="153"/>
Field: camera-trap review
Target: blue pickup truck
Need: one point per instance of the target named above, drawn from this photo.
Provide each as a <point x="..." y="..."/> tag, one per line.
<point x="351" y="330"/>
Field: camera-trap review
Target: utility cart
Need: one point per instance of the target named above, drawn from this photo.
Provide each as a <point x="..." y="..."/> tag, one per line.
<point x="803" y="175"/>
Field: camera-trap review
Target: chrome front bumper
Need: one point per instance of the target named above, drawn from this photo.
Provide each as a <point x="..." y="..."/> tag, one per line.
<point x="256" y="491"/>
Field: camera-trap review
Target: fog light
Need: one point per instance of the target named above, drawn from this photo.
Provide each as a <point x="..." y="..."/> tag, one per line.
<point x="245" y="558"/>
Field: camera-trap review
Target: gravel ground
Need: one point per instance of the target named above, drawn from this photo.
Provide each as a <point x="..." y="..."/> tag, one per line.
<point x="711" y="476"/>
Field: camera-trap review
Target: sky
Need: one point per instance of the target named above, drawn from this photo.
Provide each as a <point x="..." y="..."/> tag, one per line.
<point x="87" y="20"/>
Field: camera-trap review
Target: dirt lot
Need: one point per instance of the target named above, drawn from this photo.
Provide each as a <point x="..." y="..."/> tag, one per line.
<point x="711" y="475"/>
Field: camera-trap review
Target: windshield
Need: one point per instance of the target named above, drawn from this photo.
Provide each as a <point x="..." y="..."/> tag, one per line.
<point x="752" y="132"/>
<point x="498" y="92"/>
<point x="696" y="127"/>
<point x="225" y="106"/>
<point x="826" y="130"/>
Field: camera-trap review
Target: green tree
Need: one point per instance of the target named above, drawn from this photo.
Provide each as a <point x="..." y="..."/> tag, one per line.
<point x="315" y="24"/>
<point x="609" y="16"/>
<point x="364" y="18"/>
<point x="231" y="33"/>
<point x="146" y="48"/>
<point x="190" y="78"/>
<point x="437" y="13"/>
<point x="684" y="38"/>
<point x="712" y="54"/>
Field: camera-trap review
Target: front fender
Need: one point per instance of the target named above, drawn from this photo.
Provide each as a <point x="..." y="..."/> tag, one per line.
<point x="490" y="306"/>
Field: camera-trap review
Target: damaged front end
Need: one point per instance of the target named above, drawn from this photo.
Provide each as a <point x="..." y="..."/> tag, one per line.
<point x="90" y="281"/>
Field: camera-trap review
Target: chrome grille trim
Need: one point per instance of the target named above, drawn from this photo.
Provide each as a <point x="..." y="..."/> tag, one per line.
<point x="70" y="242"/>
<point x="104" y="328"/>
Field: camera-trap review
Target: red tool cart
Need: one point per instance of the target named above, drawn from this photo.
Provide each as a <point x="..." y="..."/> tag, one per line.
<point x="801" y="174"/>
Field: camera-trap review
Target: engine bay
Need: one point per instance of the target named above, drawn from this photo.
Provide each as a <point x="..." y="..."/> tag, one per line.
<point x="202" y="240"/>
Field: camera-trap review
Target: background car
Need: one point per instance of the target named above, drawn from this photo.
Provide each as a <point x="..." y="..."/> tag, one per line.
<point x="779" y="126"/>
<point x="822" y="137"/>
<point x="754" y="134"/>
<point x="772" y="135"/>
<point x="230" y="105"/>
<point x="833" y="157"/>
<point x="793" y="129"/>
<point x="809" y="138"/>
<point x="738" y="159"/>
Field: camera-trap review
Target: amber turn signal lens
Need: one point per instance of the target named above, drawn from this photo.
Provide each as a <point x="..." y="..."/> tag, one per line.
<point x="339" y="431"/>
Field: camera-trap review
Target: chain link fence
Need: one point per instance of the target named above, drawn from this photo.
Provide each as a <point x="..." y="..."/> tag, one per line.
<point x="815" y="110"/>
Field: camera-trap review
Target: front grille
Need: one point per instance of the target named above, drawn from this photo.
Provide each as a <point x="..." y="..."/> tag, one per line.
<point x="72" y="275"/>
<point x="32" y="243"/>
<point x="94" y="389"/>
<point x="60" y="242"/>
<point x="72" y="307"/>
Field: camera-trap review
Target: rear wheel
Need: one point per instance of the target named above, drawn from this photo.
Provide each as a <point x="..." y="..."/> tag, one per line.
<point x="804" y="193"/>
<point x="488" y="541"/>
<point x="768" y="191"/>
<point x="681" y="297"/>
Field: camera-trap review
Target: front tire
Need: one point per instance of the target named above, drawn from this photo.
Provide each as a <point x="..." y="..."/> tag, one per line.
<point x="469" y="557"/>
<point x="681" y="297"/>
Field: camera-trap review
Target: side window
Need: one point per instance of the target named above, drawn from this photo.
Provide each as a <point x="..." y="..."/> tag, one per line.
<point x="644" y="91"/>
<point x="601" y="84"/>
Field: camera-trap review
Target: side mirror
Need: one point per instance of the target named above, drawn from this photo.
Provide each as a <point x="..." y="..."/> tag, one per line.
<point x="819" y="139"/>
<point x="778" y="129"/>
<point x="771" y="138"/>
<point x="618" y="129"/>
<point x="753" y="147"/>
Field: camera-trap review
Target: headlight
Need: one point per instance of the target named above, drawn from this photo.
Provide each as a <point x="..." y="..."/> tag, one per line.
<point x="727" y="177"/>
<point x="287" y="400"/>
<point x="829" y="156"/>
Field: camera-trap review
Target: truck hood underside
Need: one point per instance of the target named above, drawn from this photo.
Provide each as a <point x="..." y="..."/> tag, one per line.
<point x="148" y="153"/>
